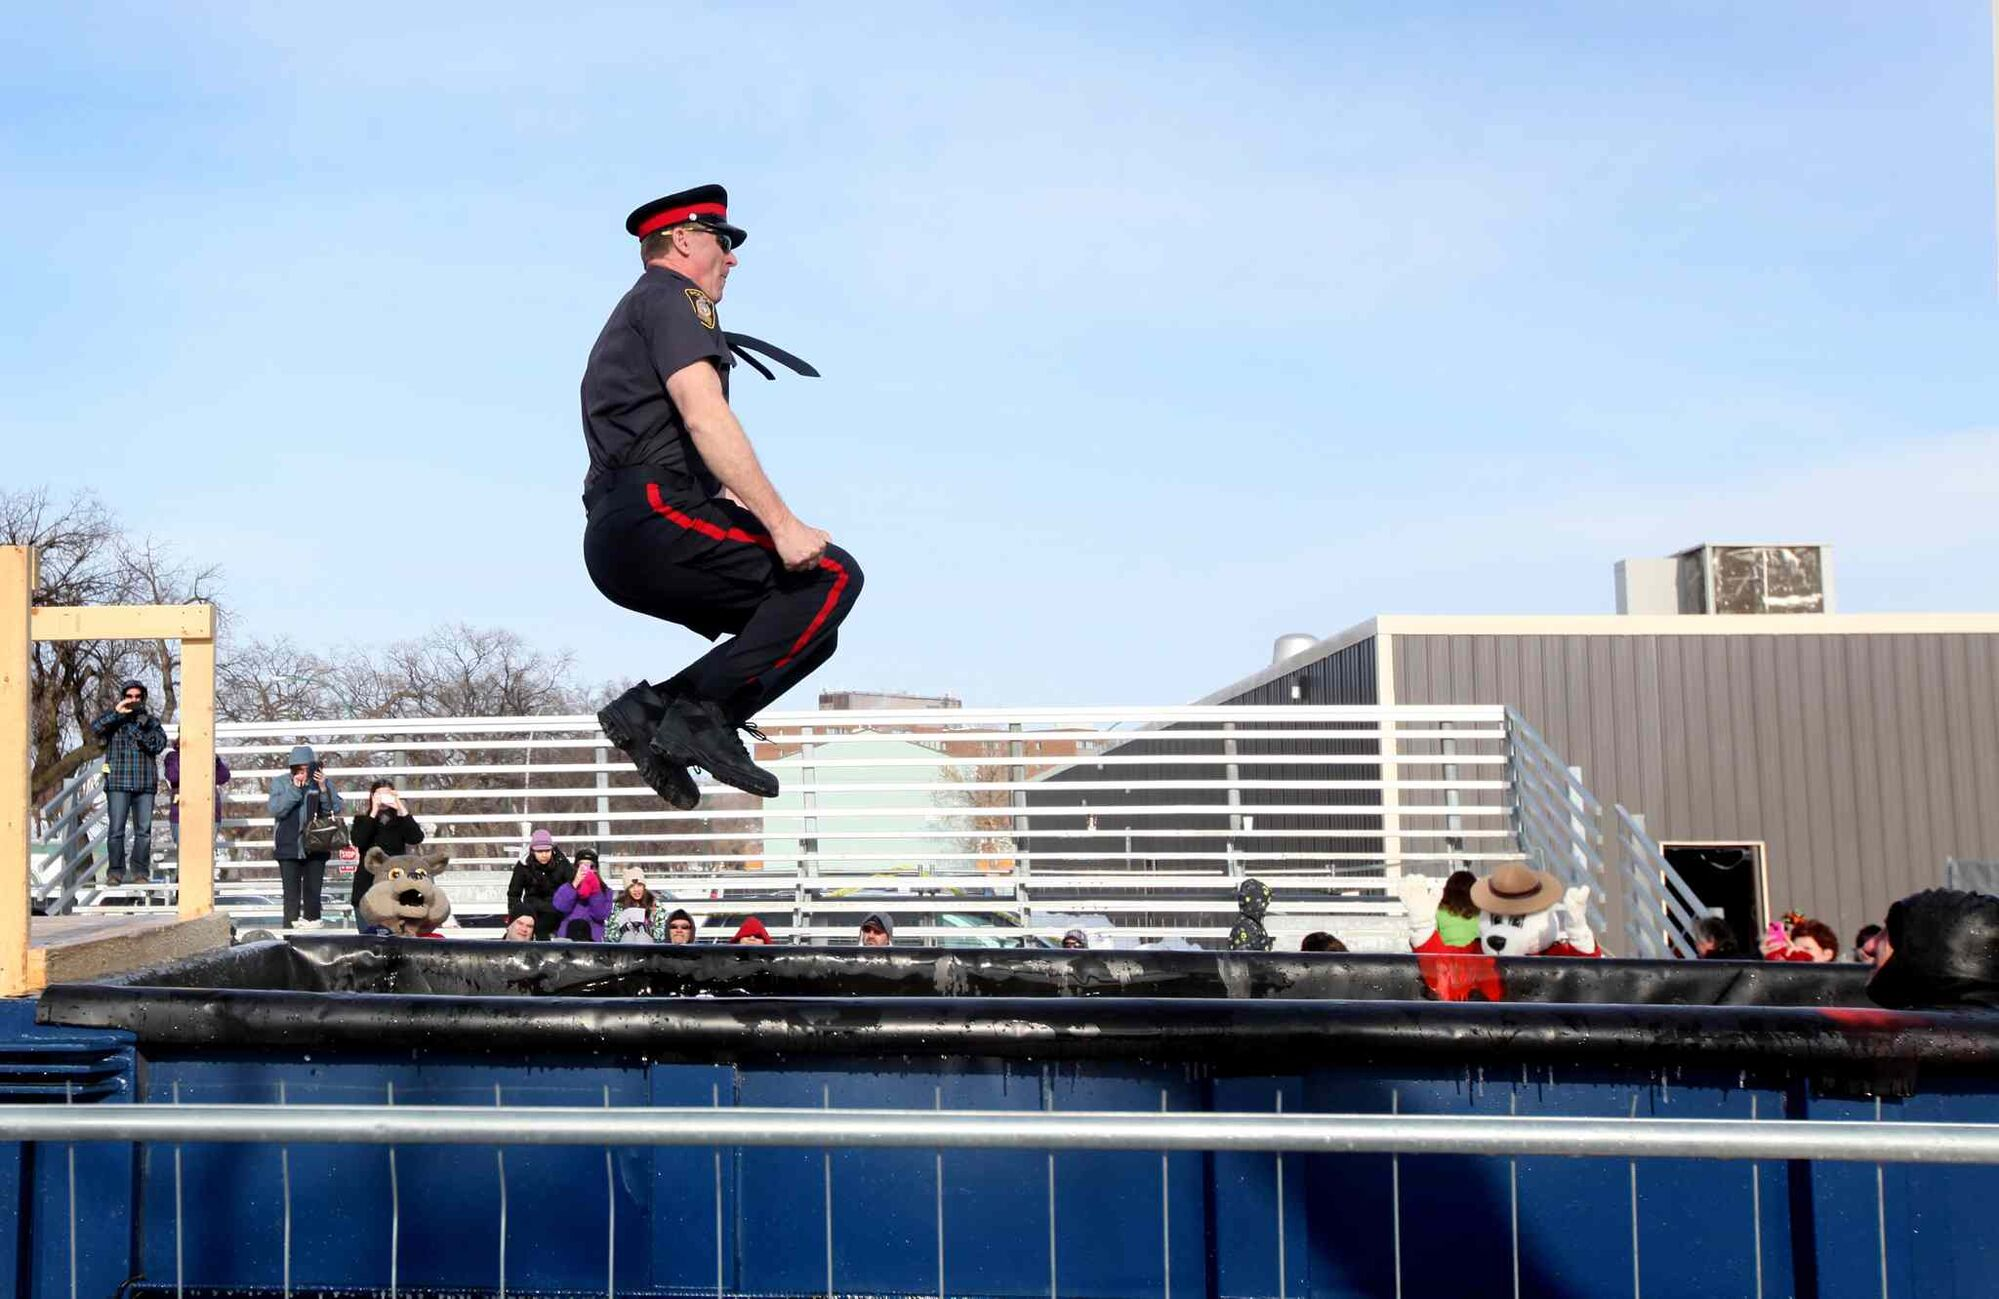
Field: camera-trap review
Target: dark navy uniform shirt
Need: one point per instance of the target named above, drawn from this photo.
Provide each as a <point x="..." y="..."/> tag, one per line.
<point x="663" y="325"/>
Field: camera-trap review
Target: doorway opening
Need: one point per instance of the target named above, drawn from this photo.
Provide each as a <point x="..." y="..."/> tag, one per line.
<point x="1728" y="877"/>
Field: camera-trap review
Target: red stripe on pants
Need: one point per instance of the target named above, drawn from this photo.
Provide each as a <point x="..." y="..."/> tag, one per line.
<point x="757" y="539"/>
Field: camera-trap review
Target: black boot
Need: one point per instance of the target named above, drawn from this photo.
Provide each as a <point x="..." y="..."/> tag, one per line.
<point x="698" y="733"/>
<point x="629" y="722"/>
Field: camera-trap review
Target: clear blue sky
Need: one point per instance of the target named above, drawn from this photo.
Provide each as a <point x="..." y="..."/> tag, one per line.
<point x="1149" y="331"/>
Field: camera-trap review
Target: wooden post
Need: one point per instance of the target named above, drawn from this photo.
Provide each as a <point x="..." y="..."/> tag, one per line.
<point x="17" y="584"/>
<point x="197" y="777"/>
<point x="21" y="625"/>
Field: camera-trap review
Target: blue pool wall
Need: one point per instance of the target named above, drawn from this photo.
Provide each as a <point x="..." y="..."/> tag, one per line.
<point x="1123" y="1223"/>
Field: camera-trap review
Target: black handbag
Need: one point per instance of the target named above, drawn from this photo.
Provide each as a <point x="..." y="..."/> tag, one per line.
<point x="322" y="834"/>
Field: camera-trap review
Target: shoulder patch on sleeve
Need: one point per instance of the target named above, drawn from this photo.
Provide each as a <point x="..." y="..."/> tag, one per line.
<point x="704" y="310"/>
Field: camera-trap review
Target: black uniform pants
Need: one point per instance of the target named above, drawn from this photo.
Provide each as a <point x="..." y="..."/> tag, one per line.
<point x="655" y="545"/>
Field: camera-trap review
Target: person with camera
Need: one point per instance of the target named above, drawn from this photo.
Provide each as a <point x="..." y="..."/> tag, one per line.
<point x="300" y="798"/>
<point x="133" y="740"/>
<point x="388" y="825"/>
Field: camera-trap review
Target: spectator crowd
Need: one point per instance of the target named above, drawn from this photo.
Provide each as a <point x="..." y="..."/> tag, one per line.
<point x="1935" y="949"/>
<point x="1939" y="947"/>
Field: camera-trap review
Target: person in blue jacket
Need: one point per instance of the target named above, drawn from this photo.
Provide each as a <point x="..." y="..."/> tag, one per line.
<point x="301" y="795"/>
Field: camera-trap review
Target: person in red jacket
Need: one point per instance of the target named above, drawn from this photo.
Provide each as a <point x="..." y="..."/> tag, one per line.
<point x="752" y="931"/>
<point x="1443" y="932"/>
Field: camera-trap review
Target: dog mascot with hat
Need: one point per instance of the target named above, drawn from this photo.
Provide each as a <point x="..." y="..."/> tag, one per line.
<point x="1521" y="912"/>
<point x="1525" y="912"/>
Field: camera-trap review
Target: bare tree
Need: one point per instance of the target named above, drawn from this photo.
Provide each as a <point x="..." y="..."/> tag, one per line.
<point x="87" y="558"/>
<point x="79" y="541"/>
<point x="148" y="572"/>
<point x="984" y="826"/>
<point x="465" y="671"/>
<point x="274" y="681"/>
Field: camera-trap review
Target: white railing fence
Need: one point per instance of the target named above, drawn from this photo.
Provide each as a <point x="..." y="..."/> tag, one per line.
<point x="983" y="826"/>
<point x="69" y="832"/>
<point x="1558" y="819"/>
<point x="1660" y="908"/>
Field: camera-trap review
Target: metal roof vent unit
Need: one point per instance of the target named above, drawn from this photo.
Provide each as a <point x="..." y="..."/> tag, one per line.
<point x="1648" y="586"/>
<point x="1290" y="645"/>
<point x="1729" y="579"/>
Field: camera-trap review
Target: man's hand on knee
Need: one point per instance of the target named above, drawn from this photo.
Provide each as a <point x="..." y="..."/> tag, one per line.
<point x="799" y="545"/>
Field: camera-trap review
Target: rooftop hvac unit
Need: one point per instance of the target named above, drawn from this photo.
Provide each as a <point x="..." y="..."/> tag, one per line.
<point x="1729" y="579"/>
<point x="1290" y="645"/>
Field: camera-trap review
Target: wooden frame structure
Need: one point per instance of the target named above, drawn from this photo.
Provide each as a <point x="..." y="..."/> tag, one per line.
<point x="23" y="967"/>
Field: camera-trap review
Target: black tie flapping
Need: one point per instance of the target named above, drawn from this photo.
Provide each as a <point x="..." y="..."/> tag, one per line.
<point x="742" y="345"/>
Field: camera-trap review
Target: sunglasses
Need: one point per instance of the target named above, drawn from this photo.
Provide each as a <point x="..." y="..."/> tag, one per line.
<point x="728" y="244"/>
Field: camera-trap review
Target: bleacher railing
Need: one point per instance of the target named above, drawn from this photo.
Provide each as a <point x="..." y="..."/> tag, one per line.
<point x="1559" y="821"/>
<point x="1661" y="909"/>
<point x="981" y="825"/>
<point x="71" y="827"/>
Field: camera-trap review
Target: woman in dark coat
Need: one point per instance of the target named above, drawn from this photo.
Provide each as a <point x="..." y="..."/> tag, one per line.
<point x="386" y="824"/>
<point x="531" y="892"/>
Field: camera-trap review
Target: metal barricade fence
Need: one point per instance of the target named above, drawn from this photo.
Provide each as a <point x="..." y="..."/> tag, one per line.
<point x="167" y="1128"/>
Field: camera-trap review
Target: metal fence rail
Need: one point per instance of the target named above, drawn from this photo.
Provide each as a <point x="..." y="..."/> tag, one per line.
<point x="985" y="825"/>
<point x="1453" y="1134"/>
<point x="1557" y="819"/>
<point x="1660" y="907"/>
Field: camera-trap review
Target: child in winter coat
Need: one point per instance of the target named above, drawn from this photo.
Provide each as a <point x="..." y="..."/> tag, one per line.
<point x="584" y="904"/>
<point x="631" y="912"/>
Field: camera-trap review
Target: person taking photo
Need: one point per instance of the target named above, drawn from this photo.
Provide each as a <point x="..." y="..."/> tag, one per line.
<point x="385" y="823"/>
<point x="133" y="741"/>
<point x="298" y="798"/>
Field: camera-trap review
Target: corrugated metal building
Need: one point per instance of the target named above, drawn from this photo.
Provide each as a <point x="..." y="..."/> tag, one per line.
<point x="1853" y="754"/>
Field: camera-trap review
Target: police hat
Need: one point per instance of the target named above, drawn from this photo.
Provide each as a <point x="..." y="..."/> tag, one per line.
<point x="704" y="205"/>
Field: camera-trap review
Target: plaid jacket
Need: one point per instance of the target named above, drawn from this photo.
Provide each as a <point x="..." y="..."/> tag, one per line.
<point x="131" y="750"/>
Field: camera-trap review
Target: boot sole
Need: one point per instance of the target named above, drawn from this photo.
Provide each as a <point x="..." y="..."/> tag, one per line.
<point x="678" y="796"/>
<point x="681" y="798"/>
<point x="614" y="729"/>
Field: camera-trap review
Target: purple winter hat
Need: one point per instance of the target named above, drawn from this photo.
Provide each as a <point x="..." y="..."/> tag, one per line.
<point x="541" y="839"/>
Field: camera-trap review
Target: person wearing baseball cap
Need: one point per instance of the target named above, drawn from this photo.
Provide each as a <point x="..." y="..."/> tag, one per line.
<point x="878" y="930"/>
<point x="684" y="525"/>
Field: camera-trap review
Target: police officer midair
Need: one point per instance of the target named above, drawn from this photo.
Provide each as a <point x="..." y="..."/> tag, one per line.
<point x="683" y="524"/>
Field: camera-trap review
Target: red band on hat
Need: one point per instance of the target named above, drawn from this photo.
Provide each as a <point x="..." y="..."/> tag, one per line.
<point x="673" y="216"/>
